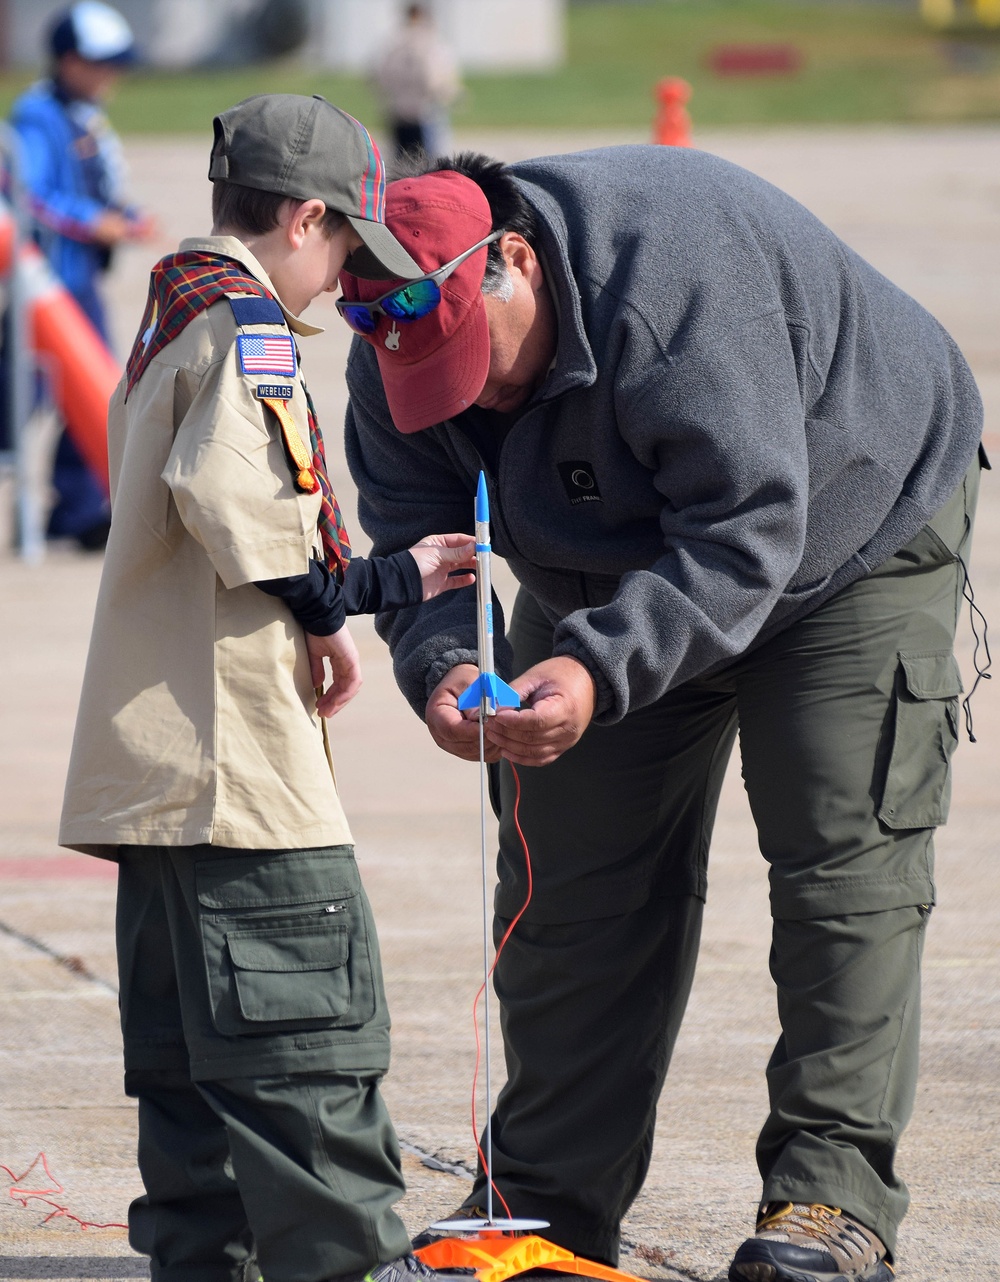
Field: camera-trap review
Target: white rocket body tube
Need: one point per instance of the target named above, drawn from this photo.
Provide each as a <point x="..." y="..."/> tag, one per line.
<point x="488" y="691"/>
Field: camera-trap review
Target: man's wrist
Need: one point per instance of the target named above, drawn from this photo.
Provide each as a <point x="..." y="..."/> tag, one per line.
<point x="604" y="697"/>
<point x="441" y="666"/>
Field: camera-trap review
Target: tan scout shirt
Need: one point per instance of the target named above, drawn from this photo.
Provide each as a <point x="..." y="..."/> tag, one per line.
<point x="197" y="720"/>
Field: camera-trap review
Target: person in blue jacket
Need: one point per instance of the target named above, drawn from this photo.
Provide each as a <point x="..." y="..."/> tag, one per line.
<point x="72" y="171"/>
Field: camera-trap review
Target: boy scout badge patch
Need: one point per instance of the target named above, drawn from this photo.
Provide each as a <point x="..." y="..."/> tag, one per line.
<point x="273" y="392"/>
<point x="266" y="354"/>
<point x="248" y="309"/>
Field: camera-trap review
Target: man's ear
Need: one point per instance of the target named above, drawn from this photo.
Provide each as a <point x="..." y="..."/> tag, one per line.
<point x="521" y="258"/>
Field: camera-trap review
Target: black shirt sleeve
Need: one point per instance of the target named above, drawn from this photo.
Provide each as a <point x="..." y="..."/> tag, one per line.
<point x="321" y="604"/>
<point x="379" y="583"/>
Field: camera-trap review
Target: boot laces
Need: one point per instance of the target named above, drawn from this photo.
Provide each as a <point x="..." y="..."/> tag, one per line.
<point x="819" y="1222"/>
<point x="417" y="1267"/>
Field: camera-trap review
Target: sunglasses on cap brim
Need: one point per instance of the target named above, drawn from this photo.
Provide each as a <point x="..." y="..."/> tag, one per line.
<point x="406" y="302"/>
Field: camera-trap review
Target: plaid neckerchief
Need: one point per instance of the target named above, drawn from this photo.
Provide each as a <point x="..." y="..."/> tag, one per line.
<point x="333" y="532"/>
<point x="183" y="285"/>
<point x="180" y="286"/>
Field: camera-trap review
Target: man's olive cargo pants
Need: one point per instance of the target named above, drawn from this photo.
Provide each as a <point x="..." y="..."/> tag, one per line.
<point x="846" y="721"/>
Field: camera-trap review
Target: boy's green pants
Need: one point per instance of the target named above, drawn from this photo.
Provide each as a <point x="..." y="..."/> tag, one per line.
<point x="847" y="721"/>
<point x="256" y="1034"/>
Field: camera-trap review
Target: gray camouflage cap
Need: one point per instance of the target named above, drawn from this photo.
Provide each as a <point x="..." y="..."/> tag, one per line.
<point x="307" y="148"/>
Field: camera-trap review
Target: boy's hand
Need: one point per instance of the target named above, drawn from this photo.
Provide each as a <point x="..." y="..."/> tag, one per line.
<point x="345" y="669"/>
<point x="437" y="555"/>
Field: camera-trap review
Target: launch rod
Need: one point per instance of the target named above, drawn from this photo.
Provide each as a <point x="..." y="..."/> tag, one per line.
<point x="488" y="1138"/>
<point x="486" y="694"/>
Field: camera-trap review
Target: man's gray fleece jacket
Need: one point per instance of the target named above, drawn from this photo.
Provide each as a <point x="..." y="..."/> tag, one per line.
<point x="743" y="417"/>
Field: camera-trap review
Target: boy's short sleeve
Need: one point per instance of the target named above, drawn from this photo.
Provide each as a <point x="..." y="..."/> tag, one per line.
<point x="230" y="476"/>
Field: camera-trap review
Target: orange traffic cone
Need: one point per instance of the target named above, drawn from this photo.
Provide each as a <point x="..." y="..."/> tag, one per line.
<point x="672" y="126"/>
<point x="81" y="370"/>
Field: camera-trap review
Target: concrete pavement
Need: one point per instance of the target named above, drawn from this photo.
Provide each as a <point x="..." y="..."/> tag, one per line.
<point x="924" y="206"/>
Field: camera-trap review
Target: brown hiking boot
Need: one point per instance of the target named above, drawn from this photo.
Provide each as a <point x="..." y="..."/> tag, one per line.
<point x="430" y="1235"/>
<point x="810" y="1242"/>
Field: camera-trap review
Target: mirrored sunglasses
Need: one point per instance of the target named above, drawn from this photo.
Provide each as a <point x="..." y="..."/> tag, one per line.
<point x="406" y="302"/>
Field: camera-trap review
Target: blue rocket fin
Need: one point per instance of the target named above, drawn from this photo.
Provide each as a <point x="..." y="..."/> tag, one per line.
<point x="489" y="686"/>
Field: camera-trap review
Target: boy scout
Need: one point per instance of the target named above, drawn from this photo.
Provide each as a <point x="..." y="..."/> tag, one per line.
<point x="253" y="1012"/>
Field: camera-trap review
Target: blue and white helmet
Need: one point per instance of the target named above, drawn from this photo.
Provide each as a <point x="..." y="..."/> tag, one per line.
<point x="94" y="31"/>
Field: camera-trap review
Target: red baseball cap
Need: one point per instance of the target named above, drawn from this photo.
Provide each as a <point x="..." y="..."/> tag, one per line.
<point x="434" y="367"/>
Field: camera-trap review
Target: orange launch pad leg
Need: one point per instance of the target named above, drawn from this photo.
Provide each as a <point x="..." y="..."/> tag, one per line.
<point x="497" y="1256"/>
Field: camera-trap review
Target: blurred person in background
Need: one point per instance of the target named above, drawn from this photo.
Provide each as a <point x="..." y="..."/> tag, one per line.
<point x="417" y="79"/>
<point x="73" y="173"/>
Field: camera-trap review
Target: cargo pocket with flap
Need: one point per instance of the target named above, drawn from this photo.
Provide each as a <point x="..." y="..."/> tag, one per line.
<point x="286" y="941"/>
<point x="917" y="788"/>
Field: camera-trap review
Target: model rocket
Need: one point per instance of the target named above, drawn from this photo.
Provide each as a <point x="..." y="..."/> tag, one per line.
<point x="487" y="691"/>
<point x="490" y="1247"/>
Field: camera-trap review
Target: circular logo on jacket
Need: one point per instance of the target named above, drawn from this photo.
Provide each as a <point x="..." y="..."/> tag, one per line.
<point x="579" y="482"/>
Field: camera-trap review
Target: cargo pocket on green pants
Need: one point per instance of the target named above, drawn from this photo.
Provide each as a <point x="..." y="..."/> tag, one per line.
<point x="265" y="959"/>
<point x="287" y="942"/>
<point x="917" y="788"/>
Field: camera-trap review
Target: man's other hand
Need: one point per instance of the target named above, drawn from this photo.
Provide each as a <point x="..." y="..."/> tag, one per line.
<point x="341" y="653"/>
<point x="557" y="703"/>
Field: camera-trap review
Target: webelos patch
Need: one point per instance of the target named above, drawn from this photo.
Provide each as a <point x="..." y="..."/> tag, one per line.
<point x="273" y="391"/>
<point x="266" y="354"/>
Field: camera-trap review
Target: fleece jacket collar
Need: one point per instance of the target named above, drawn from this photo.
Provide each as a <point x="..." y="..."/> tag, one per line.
<point x="575" y="365"/>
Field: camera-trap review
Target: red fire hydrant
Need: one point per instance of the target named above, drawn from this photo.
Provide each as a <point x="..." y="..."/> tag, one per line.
<point x="672" y="126"/>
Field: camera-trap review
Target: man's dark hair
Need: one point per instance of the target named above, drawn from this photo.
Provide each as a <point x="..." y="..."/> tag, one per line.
<point x="509" y="210"/>
<point x="246" y="209"/>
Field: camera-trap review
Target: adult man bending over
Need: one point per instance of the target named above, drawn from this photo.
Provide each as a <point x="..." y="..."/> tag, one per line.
<point x="734" y="470"/>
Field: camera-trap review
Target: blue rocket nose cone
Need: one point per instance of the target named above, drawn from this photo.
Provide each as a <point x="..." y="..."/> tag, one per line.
<point x="482" y="500"/>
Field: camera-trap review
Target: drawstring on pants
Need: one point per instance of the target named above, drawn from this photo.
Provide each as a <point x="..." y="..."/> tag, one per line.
<point x="983" y="673"/>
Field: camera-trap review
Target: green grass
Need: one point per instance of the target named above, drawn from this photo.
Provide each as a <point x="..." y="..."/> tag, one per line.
<point x="862" y="63"/>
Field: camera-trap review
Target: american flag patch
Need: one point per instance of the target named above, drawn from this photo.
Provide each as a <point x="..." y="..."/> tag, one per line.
<point x="266" y="354"/>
